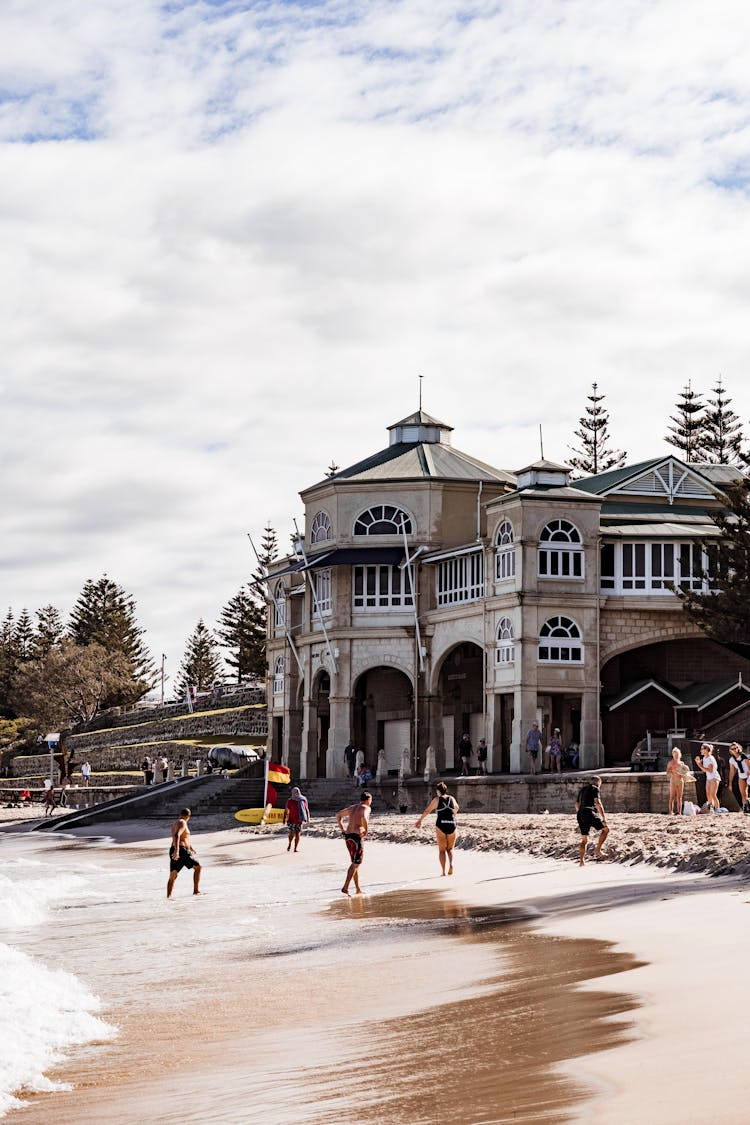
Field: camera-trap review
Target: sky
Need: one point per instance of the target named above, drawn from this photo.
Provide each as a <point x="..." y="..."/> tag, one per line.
<point x="235" y="234"/>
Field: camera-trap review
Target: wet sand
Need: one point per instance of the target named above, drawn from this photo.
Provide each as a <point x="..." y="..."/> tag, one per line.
<point x="522" y="989"/>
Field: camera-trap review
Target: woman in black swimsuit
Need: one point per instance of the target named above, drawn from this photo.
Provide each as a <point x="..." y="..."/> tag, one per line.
<point x="445" y="824"/>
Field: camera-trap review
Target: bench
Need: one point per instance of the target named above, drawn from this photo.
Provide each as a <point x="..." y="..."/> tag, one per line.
<point x="644" y="759"/>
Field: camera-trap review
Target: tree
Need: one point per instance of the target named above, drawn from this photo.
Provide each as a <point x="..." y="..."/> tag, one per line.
<point x="49" y="631"/>
<point x="104" y="614"/>
<point x="201" y="663"/>
<point x="24" y="636"/>
<point x="70" y="685"/>
<point x="8" y="662"/>
<point x="687" y="432"/>
<point x="594" y="455"/>
<point x="721" y="436"/>
<point x="242" y="631"/>
<point x="724" y="613"/>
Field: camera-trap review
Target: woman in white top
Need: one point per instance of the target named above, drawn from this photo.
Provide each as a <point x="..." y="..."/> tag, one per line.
<point x="738" y="763"/>
<point x="709" y="765"/>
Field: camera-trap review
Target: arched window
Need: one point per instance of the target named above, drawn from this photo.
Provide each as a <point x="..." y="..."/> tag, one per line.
<point x="279" y="604"/>
<point x="278" y="676"/>
<point x="560" y="551"/>
<point x="560" y="642"/>
<point x="504" y="649"/>
<point x="383" y="519"/>
<point x="320" y="529"/>
<point x="505" y="552"/>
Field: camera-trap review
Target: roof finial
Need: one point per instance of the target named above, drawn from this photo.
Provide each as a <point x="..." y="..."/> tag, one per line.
<point x="541" y="441"/>
<point x="421" y="377"/>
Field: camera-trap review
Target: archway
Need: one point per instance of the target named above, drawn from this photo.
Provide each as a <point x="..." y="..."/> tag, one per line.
<point x="461" y="698"/>
<point x="382" y="715"/>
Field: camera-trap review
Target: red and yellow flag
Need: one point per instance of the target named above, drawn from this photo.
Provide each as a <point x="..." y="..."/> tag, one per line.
<point x="279" y="774"/>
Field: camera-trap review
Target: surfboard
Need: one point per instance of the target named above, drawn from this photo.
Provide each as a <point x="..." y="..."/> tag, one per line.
<point x="254" y="816"/>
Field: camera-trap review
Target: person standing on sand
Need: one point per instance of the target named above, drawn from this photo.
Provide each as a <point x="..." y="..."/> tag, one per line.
<point x="445" y="824"/>
<point x="739" y="764"/>
<point x="357" y="819"/>
<point x="181" y="854"/>
<point x="533" y="745"/>
<point x="677" y="771"/>
<point x="590" y="814"/>
<point x="707" y="762"/>
<point x="296" y="813"/>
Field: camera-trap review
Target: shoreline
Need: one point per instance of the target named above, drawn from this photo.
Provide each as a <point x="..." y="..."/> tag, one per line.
<point x="607" y="932"/>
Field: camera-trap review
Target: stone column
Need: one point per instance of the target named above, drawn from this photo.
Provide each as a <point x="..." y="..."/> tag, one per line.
<point x="494" y="752"/>
<point x="308" y="763"/>
<point x="338" y="736"/>
<point x="591" y="756"/>
<point x="524" y="712"/>
<point x="435" y="738"/>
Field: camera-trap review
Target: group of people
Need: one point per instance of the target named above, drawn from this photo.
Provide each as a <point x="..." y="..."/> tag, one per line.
<point x="549" y="757"/>
<point x="465" y="748"/>
<point x="678" y="771"/>
<point x="155" y="769"/>
<point x="356" y="766"/>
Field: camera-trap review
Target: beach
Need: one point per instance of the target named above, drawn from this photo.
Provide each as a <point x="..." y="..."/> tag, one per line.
<point x="524" y="988"/>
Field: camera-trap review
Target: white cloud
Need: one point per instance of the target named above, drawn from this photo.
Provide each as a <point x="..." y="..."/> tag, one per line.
<point x="234" y="234"/>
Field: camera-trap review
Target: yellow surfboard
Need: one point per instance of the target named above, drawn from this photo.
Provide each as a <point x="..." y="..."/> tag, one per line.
<point x="255" y="816"/>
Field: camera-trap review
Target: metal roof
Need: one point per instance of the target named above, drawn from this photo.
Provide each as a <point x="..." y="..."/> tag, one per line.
<point x="421" y="461"/>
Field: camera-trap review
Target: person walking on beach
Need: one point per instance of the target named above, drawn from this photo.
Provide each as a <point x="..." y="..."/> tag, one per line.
<point x="677" y="771"/>
<point x="357" y="819"/>
<point x="464" y="753"/>
<point x="482" y="756"/>
<point x="296" y="813"/>
<point x="533" y="745"/>
<point x="445" y="823"/>
<point x="50" y="800"/>
<point x="739" y="767"/>
<point x="707" y="762"/>
<point x="590" y="814"/>
<point x="181" y="854"/>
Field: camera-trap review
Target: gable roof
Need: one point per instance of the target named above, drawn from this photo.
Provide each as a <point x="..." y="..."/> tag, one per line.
<point x="639" y="686"/>
<point x="665" y="476"/>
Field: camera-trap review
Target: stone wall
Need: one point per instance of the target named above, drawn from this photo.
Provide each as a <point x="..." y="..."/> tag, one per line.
<point x="622" y="627"/>
<point x="251" y="721"/>
<point x="117" y="717"/>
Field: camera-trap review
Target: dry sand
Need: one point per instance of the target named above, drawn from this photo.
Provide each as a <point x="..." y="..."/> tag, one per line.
<point x="523" y="989"/>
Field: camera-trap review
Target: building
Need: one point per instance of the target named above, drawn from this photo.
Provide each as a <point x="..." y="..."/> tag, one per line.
<point x="432" y="594"/>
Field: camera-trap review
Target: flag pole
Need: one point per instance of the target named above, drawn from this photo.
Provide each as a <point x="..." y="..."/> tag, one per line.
<point x="265" y="785"/>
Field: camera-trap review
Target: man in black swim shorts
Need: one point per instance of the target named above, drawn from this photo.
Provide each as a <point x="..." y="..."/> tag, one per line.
<point x="357" y="819"/>
<point x="590" y="814"/>
<point x="181" y="854"/>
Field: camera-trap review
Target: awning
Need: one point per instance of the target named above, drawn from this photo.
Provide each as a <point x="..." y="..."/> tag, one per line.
<point x="358" y="556"/>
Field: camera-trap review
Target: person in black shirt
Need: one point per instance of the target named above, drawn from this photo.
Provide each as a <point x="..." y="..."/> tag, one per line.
<point x="590" y="814"/>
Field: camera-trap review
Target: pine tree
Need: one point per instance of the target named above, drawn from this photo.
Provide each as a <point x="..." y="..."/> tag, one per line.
<point x="242" y="630"/>
<point x="594" y="455"/>
<point x="721" y="436"/>
<point x="8" y="663"/>
<point x="104" y="614"/>
<point x="269" y="552"/>
<point x="201" y="663"/>
<point x="49" y="631"/>
<point x="24" y="637"/>
<point x="724" y="613"/>
<point x="687" y="432"/>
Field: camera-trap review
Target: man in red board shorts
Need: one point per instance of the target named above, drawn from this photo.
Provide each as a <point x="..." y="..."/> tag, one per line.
<point x="357" y="819"/>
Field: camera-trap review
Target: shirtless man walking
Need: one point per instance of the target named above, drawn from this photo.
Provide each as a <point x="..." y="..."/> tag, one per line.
<point x="358" y="821"/>
<point x="181" y="854"/>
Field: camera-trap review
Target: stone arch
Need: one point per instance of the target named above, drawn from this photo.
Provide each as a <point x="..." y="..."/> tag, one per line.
<point x="383" y="713"/>
<point x="457" y="699"/>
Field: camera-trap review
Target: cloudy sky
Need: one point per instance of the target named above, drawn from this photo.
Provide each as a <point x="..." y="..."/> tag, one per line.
<point x="234" y="234"/>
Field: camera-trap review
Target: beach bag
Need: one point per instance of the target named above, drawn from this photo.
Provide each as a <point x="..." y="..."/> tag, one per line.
<point x="689" y="809"/>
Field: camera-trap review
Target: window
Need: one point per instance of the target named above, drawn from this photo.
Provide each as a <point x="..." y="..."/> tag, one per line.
<point x="383" y="519"/>
<point x="279" y="601"/>
<point x="560" y="551"/>
<point x="505" y="552"/>
<point x="652" y="568"/>
<point x="460" y="579"/>
<point x="321" y="580"/>
<point x="381" y="587"/>
<point x="560" y="642"/>
<point x="504" y="649"/>
<point x="278" y="676"/>
<point x="320" y="529"/>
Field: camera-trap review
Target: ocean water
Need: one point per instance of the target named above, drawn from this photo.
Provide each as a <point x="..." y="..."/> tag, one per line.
<point x="44" y="1011"/>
